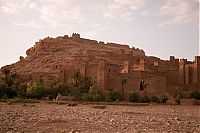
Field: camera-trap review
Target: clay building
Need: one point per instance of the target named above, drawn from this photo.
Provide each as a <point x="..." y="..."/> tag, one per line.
<point x="56" y="59"/>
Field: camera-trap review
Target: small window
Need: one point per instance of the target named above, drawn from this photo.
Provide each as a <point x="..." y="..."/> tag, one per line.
<point x="108" y="70"/>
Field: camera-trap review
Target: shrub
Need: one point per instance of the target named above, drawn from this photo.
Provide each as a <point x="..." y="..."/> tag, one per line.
<point x="195" y="94"/>
<point x="114" y="95"/>
<point x="53" y="90"/>
<point x="155" y="99"/>
<point x="100" y="107"/>
<point x="92" y="95"/>
<point x="164" y="98"/>
<point x="75" y="93"/>
<point x="145" y="99"/>
<point x="37" y="90"/>
<point x="178" y="99"/>
<point x="72" y="104"/>
<point x="178" y="92"/>
<point x="2" y="90"/>
<point x="22" y="90"/>
<point x="134" y="97"/>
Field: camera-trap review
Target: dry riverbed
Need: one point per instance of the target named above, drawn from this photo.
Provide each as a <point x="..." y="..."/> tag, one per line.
<point x="44" y="117"/>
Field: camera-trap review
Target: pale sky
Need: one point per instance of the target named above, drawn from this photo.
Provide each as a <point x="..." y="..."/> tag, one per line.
<point x="160" y="27"/>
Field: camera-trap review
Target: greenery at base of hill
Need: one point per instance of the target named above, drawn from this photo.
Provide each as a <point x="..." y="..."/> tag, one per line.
<point x="113" y="96"/>
<point x="12" y="86"/>
<point x="195" y="94"/>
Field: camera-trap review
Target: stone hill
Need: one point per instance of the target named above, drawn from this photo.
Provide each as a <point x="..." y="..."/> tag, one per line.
<point x="51" y="55"/>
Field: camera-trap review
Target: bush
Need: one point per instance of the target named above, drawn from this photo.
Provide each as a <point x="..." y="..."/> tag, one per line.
<point x="155" y="99"/>
<point x="53" y="90"/>
<point x="2" y="90"/>
<point x="145" y="99"/>
<point x="113" y="96"/>
<point x="36" y="90"/>
<point x="134" y="97"/>
<point x="72" y="104"/>
<point x="178" y="92"/>
<point x="178" y="99"/>
<point x="75" y="93"/>
<point x="100" y="107"/>
<point x="164" y="98"/>
<point x="22" y="90"/>
<point x="195" y="94"/>
<point x="92" y="95"/>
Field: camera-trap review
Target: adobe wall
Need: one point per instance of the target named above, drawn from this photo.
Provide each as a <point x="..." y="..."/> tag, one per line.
<point x="156" y="85"/>
<point x="102" y="77"/>
<point x="113" y="72"/>
<point x="134" y="80"/>
<point x="173" y="77"/>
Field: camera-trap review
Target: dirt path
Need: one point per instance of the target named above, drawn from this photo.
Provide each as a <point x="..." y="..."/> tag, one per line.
<point x="43" y="117"/>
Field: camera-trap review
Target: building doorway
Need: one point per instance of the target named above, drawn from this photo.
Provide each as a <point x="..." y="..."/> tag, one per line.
<point x="142" y="85"/>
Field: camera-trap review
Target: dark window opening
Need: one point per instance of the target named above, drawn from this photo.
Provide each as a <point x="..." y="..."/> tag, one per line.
<point x="142" y="85"/>
<point x="56" y="66"/>
<point x="108" y="70"/>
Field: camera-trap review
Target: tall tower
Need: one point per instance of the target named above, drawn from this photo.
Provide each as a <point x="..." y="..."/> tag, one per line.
<point x="142" y="65"/>
<point x="102" y="77"/>
<point x="126" y="67"/>
<point x="197" y="69"/>
<point x="182" y="64"/>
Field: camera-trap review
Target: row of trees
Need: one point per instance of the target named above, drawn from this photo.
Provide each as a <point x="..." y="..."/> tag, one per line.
<point x="12" y="86"/>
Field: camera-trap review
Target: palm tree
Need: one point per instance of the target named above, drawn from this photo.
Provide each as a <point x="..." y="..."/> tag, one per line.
<point x="77" y="77"/>
<point x="123" y="82"/>
<point x="6" y="71"/>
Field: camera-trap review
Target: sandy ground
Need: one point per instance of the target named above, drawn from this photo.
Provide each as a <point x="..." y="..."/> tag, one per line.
<point x="44" y="117"/>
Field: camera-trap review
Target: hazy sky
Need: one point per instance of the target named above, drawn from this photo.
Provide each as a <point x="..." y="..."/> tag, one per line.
<point x="160" y="27"/>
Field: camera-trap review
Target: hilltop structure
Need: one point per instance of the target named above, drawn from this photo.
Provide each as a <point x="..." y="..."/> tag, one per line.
<point x="56" y="59"/>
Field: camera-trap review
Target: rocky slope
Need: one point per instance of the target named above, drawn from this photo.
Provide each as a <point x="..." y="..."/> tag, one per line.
<point x="50" y="55"/>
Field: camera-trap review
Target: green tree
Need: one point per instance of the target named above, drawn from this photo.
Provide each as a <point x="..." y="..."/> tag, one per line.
<point x="8" y="83"/>
<point x="77" y="77"/>
<point x="83" y="84"/>
<point x="61" y="88"/>
<point x="22" y="90"/>
<point x="6" y="72"/>
<point x="35" y="90"/>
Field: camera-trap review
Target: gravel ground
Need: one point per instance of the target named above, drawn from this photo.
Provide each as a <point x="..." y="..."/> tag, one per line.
<point x="54" y="118"/>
